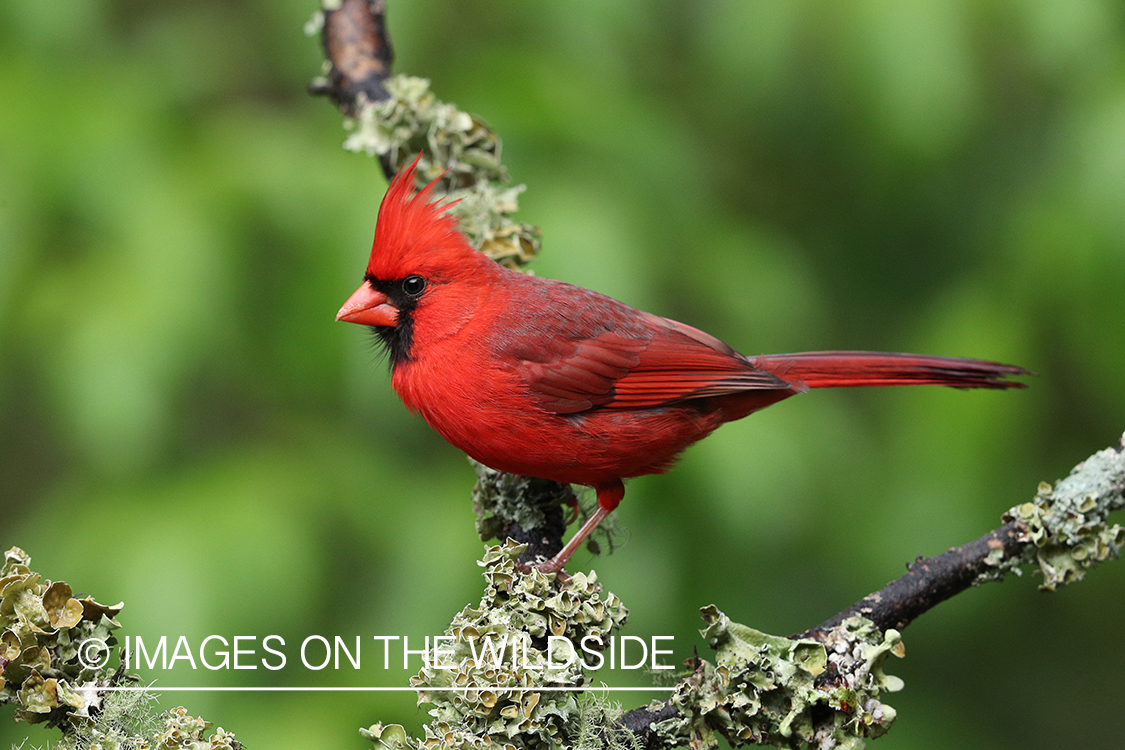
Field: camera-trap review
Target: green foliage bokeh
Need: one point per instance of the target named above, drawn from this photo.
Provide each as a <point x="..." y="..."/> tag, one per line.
<point x="183" y="426"/>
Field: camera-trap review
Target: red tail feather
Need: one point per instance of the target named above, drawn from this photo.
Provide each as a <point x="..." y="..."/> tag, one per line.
<point x="846" y="369"/>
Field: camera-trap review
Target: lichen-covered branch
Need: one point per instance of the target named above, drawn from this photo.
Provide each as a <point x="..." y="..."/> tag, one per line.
<point x="771" y="690"/>
<point x="396" y="118"/>
<point x="358" y="53"/>
<point x="506" y="672"/>
<point x="44" y="627"/>
<point x="54" y="668"/>
<point x="1063" y="530"/>
<point x="524" y="509"/>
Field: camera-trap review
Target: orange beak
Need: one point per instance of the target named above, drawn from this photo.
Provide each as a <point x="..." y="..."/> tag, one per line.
<point x="368" y="307"/>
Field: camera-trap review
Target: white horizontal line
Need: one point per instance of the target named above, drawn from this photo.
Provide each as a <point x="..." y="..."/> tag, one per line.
<point x="263" y="689"/>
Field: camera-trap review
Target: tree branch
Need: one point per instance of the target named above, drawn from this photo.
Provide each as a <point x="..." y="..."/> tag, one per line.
<point x="1064" y="530"/>
<point x="358" y="52"/>
<point x="929" y="581"/>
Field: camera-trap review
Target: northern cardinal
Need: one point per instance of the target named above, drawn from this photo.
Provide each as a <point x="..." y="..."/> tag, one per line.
<point x="544" y="379"/>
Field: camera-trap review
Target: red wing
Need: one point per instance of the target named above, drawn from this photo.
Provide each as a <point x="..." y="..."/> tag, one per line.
<point x="664" y="363"/>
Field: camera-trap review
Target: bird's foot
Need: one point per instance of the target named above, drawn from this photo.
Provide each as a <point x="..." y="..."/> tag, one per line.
<point x="556" y="563"/>
<point x="547" y="567"/>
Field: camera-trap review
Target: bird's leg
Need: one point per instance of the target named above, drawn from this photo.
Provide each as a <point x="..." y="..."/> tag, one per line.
<point x="556" y="563"/>
<point x="609" y="495"/>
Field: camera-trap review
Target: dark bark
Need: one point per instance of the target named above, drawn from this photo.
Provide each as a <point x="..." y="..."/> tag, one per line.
<point x="928" y="582"/>
<point x="358" y="49"/>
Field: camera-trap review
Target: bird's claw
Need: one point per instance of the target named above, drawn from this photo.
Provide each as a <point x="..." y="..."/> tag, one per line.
<point x="547" y="567"/>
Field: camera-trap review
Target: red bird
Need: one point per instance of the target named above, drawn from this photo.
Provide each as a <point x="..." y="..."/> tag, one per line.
<point x="544" y="379"/>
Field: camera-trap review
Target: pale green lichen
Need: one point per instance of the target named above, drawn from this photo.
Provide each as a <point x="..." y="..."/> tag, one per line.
<point x="500" y="498"/>
<point x="182" y="730"/>
<point x="413" y="119"/>
<point x="459" y="148"/>
<point x="762" y="689"/>
<point x="127" y="721"/>
<point x="43" y="627"/>
<point x="1067" y="525"/>
<point x="771" y="690"/>
<point x="130" y="724"/>
<point x="315" y="24"/>
<point x="485" y="681"/>
<point x="482" y="211"/>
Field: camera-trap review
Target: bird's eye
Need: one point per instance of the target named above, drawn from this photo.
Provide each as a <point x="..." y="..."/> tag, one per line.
<point x="413" y="285"/>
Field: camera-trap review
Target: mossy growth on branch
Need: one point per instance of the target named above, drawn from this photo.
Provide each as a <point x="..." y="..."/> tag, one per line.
<point x="44" y="627"/>
<point x="127" y="721"/>
<point x="54" y="667"/>
<point x="1067" y="525"/>
<point x="506" y="673"/>
<point x="772" y="690"/>
<point x="500" y="498"/>
<point x="503" y="676"/>
<point x="457" y="147"/>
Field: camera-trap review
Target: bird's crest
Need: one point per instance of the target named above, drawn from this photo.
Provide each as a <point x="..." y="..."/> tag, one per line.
<point x="413" y="232"/>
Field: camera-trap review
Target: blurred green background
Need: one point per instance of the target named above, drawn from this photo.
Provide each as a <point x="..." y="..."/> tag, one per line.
<point x="183" y="426"/>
